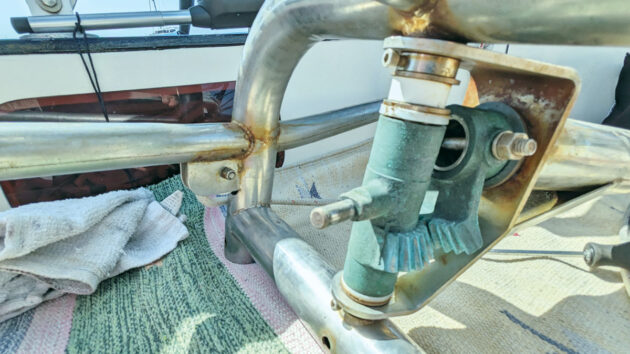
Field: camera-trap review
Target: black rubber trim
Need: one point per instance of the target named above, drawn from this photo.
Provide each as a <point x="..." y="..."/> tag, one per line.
<point x="21" y="25"/>
<point x="100" y="45"/>
<point x="200" y="17"/>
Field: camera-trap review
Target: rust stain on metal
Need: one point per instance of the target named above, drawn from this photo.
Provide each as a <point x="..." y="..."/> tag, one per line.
<point x="543" y="103"/>
<point x="220" y="154"/>
<point x="415" y="23"/>
<point x="391" y="108"/>
<point x="248" y="135"/>
<point x="410" y="24"/>
<point x="433" y="19"/>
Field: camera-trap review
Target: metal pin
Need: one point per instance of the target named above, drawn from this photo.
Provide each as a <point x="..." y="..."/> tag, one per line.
<point x="454" y="143"/>
<point x="334" y="213"/>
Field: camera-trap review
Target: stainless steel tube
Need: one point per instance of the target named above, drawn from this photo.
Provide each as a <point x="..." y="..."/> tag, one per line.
<point x="45" y="149"/>
<point x="293" y="133"/>
<point x="304" y="279"/>
<point x="66" y="23"/>
<point x="78" y="145"/>
<point x="586" y="154"/>
<point x="282" y="32"/>
<point x="298" y="132"/>
<point x="583" y="22"/>
<point x="36" y="116"/>
<point x="586" y="22"/>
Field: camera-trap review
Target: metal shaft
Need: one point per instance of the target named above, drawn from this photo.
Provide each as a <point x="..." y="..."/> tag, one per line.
<point x="454" y="143"/>
<point x="67" y="23"/>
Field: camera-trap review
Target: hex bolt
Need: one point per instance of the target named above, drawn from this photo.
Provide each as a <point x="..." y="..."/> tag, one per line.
<point x="228" y="173"/>
<point x="390" y="58"/>
<point x="513" y="146"/>
<point x="334" y="213"/>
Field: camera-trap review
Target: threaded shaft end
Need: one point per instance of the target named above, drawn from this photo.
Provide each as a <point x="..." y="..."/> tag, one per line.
<point x="524" y="147"/>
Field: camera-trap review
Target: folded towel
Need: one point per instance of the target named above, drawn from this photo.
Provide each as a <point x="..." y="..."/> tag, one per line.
<point x="70" y="246"/>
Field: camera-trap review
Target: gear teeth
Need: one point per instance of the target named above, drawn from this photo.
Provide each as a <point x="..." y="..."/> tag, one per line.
<point x="411" y="251"/>
<point x="408" y="251"/>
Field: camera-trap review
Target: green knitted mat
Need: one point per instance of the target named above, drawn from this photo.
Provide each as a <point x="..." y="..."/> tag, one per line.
<point x="189" y="303"/>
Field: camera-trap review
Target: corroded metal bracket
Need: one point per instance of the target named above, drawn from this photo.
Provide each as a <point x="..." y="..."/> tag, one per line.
<point x="211" y="180"/>
<point x="542" y="95"/>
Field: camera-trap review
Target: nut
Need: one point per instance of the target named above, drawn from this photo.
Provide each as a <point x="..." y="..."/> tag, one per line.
<point x="228" y="173"/>
<point x="513" y="146"/>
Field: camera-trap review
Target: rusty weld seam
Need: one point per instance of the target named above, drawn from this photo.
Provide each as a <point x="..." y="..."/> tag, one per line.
<point x="250" y="138"/>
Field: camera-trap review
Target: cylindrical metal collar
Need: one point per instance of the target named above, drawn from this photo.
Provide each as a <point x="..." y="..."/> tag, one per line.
<point x="428" y="64"/>
<point x="415" y="112"/>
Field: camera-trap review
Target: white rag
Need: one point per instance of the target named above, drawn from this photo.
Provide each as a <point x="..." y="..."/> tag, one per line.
<point x="70" y="246"/>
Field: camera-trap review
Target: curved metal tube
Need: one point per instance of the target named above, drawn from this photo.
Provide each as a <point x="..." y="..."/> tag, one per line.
<point x="584" y="155"/>
<point x="304" y="279"/>
<point x="282" y="33"/>
<point x="584" y="22"/>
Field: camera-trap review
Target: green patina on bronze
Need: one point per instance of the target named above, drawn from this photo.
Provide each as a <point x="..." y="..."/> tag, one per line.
<point x="391" y="236"/>
<point x="397" y="176"/>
